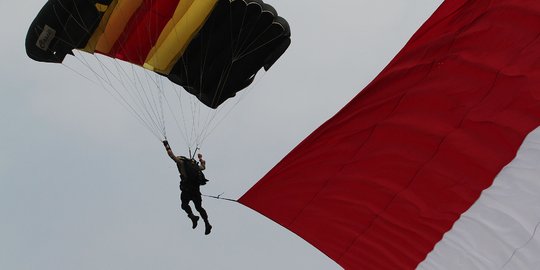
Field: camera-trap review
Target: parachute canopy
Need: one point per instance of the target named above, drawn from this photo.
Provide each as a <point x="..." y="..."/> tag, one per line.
<point x="422" y="169"/>
<point x="213" y="48"/>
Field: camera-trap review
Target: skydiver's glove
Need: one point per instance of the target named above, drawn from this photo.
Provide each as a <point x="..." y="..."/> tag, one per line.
<point x="166" y="144"/>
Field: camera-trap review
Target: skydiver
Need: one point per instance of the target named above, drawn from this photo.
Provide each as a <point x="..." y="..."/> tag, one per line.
<point x="191" y="178"/>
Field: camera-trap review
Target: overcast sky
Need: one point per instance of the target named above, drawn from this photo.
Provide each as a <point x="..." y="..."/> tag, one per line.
<point x="84" y="186"/>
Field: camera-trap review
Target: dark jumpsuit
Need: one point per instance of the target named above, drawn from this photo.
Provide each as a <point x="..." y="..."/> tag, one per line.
<point x="190" y="187"/>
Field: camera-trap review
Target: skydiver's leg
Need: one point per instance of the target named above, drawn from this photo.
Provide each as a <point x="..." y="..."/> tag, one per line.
<point x="197" y="200"/>
<point x="185" y="198"/>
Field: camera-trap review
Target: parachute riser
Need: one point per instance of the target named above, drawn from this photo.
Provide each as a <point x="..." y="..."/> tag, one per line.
<point x="192" y="156"/>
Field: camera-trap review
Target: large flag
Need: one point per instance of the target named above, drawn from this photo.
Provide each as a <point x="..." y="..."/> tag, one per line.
<point x="436" y="163"/>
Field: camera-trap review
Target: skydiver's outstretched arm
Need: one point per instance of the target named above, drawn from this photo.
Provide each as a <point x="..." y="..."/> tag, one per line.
<point x="170" y="152"/>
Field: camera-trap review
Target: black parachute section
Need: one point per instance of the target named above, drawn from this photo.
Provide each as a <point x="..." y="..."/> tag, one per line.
<point x="240" y="37"/>
<point x="60" y="27"/>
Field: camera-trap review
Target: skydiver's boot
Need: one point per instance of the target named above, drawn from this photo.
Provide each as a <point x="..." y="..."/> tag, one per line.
<point x="194" y="220"/>
<point x="207" y="227"/>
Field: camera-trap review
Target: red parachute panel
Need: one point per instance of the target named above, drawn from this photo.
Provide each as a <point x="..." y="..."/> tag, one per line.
<point x="378" y="185"/>
<point x="142" y="31"/>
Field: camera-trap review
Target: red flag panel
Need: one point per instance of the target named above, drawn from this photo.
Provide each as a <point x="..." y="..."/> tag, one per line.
<point x="378" y="185"/>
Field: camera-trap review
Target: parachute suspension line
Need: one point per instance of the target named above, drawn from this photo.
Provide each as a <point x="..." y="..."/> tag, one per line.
<point x="80" y="74"/>
<point x="240" y="53"/>
<point x="158" y="82"/>
<point x="161" y="99"/>
<point x="83" y="26"/>
<point x="192" y="154"/>
<point x="148" y="116"/>
<point x="149" y="99"/>
<point x="221" y="84"/>
<point x="136" y="112"/>
<point x="197" y="127"/>
<point x="226" y="114"/>
<point x="235" y="48"/>
<point x="164" y="101"/>
<point x="205" y="124"/>
<point x="194" y="107"/>
<point x="134" y="96"/>
<point x="194" y="110"/>
<point x="71" y="42"/>
<point x="209" y="124"/>
<point x="178" y="94"/>
<point x="226" y="71"/>
<point x="105" y="83"/>
<point x="195" y="152"/>
<point x="180" y="128"/>
<point x="223" y="79"/>
<point x="244" y="54"/>
<point x="126" y="94"/>
<point x="240" y="47"/>
<point x="202" y="67"/>
<point x="203" y="58"/>
<point x="213" y="121"/>
<point x="211" y="115"/>
<point x="156" y="103"/>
